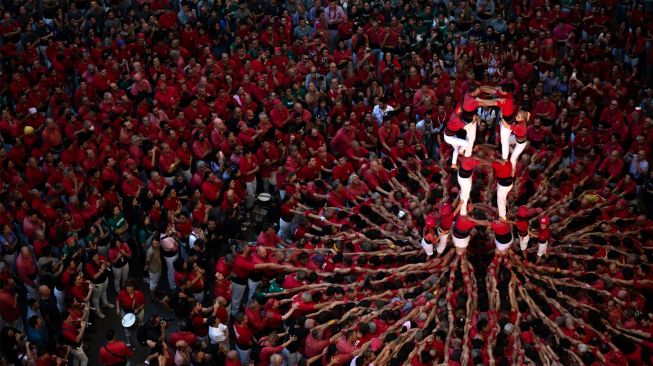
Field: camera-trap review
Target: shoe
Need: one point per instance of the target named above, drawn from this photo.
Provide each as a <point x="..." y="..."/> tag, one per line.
<point x="110" y="306"/>
<point x="100" y="315"/>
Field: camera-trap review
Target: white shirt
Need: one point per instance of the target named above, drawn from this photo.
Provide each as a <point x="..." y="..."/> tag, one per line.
<point x="378" y="113"/>
<point x="218" y="334"/>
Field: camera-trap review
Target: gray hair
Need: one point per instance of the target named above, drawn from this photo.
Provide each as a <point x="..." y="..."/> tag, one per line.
<point x="306" y="296"/>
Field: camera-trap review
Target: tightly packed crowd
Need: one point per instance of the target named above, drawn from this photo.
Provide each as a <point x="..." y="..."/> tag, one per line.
<point x="426" y="182"/>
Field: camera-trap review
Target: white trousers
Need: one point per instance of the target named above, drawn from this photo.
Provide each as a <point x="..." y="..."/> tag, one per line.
<point x="502" y="199"/>
<point x="154" y="280"/>
<point x="541" y="248"/>
<point x="471" y="138"/>
<point x="171" y="270"/>
<point x="465" y="190"/>
<point x="284" y="229"/>
<point x="458" y="145"/>
<point x="120" y="276"/>
<point x="251" y="193"/>
<point x="61" y="297"/>
<point x="523" y="241"/>
<point x="99" y="293"/>
<point x="502" y="248"/>
<point x="79" y="357"/>
<point x="516" y="152"/>
<point x="460" y="243"/>
<point x="251" y="288"/>
<point x="428" y="247"/>
<point x="505" y="134"/>
<point x="442" y="243"/>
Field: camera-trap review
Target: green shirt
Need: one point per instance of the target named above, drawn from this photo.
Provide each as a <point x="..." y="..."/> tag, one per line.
<point x="116" y="222"/>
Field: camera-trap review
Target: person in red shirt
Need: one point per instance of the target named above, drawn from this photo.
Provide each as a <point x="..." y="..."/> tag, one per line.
<point x="9" y="309"/>
<point x="81" y="289"/>
<point x="270" y="347"/>
<point x="520" y="130"/>
<point x="114" y="353"/>
<point x="546" y="110"/>
<point x="119" y="255"/>
<point x="521" y="223"/>
<point x="453" y="131"/>
<point x="612" y="167"/>
<point x="183" y="334"/>
<point x="461" y="233"/>
<point x="243" y="339"/>
<point x="72" y="331"/>
<point x="131" y="300"/>
<point x="543" y="236"/>
<point x="506" y="104"/>
<point x="248" y="168"/>
<point x="503" y="175"/>
<point x="242" y="267"/>
<point x="523" y="70"/>
<point x="97" y="271"/>
<point x="465" y="173"/>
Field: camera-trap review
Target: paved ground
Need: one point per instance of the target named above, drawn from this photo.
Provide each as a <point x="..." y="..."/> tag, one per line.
<point x="96" y="338"/>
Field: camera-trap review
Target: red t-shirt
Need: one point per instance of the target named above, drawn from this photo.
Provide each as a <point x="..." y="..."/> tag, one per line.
<point x="500" y="227"/>
<point x="468" y="164"/>
<point x="502" y="169"/>
<point x="463" y="224"/>
<point x="129" y="303"/>
<point x="114" y="352"/>
<point x="242" y="266"/>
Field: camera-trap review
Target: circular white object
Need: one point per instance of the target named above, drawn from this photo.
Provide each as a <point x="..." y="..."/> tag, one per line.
<point x="128" y="320"/>
<point x="264" y="197"/>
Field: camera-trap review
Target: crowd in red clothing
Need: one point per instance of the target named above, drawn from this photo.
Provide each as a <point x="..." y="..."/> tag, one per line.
<point x="138" y="136"/>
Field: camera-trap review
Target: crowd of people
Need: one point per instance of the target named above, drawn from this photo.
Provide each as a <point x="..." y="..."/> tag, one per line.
<point x="444" y="182"/>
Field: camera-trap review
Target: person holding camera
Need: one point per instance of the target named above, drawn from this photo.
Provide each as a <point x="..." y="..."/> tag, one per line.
<point x="114" y="353"/>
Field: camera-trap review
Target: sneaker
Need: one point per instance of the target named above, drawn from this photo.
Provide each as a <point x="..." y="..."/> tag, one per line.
<point x="100" y="315"/>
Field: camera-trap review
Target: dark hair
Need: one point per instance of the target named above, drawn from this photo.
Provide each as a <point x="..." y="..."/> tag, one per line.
<point x="110" y="334"/>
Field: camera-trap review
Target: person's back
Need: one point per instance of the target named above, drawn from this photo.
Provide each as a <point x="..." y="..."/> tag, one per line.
<point x="114" y="352"/>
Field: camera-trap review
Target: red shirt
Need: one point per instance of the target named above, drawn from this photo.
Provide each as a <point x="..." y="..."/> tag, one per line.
<point x="543" y="235"/>
<point x="130" y="303"/>
<point x="175" y="337"/>
<point x="454" y="124"/>
<point x="114" y="352"/>
<point x="243" y="334"/>
<point x="9" y="310"/>
<point x="463" y="225"/>
<point x="500" y="227"/>
<point x="470" y="104"/>
<point x="211" y="190"/>
<point x="242" y="266"/>
<point x="247" y="165"/>
<point x="519" y="129"/>
<point x="508" y="105"/>
<point x="468" y="164"/>
<point x="69" y="333"/>
<point x="502" y="169"/>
